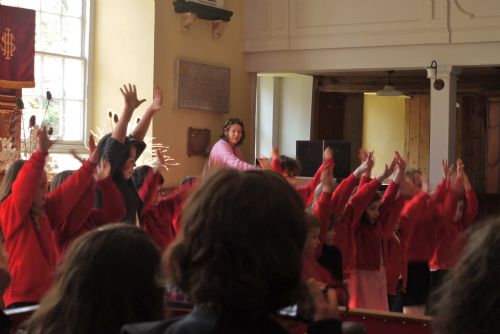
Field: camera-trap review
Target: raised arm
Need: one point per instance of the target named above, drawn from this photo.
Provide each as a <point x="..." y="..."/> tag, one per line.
<point x="140" y="130"/>
<point x="387" y="202"/>
<point x="323" y="208"/>
<point x="17" y="205"/>
<point x="113" y="207"/>
<point x="129" y="93"/>
<point x="343" y="192"/>
<point x="307" y="190"/>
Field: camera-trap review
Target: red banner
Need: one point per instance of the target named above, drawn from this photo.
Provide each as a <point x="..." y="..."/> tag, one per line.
<point x="17" y="47"/>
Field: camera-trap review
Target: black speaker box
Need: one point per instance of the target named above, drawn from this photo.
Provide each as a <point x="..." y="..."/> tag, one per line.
<point x="342" y="156"/>
<point x="310" y="155"/>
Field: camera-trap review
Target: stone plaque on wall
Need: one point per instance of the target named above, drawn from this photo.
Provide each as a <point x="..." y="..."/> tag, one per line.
<point x="202" y="87"/>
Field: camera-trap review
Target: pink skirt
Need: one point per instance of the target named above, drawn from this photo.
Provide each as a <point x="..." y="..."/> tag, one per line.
<point x="368" y="289"/>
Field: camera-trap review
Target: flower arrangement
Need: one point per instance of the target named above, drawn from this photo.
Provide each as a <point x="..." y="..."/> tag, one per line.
<point x="10" y="151"/>
<point x="8" y="154"/>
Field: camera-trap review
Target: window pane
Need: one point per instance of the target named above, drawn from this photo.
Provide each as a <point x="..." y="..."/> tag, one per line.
<point x="73" y="79"/>
<point x="71" y="40"/>
<point x="49" y="33"/>
<point x="52" y="69"/>
<point x="72" y="8"/>
<point x="31" y="4"/>
<point x="51" y="116"/>
<point x="14" y="3"/>
<point x="52" y="6"/>
<point x="72" y="120"/>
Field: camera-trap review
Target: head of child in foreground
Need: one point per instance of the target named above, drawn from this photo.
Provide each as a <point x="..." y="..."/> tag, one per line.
<point x="109" y="277"/>
<point x="240" y="248"/>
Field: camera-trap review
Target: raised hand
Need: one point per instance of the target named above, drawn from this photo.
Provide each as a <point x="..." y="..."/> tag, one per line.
<point x="388" y="170"/>
<point x="93" y="151"/>
<point x="44" y="143"/>
<point x="460" y="168"/>
<point x="130" y="97"/>
<point x="446" y="168"/>
<point x="425" y="184"/>
<point x="400" y="173"/>
<point x="365" y="165"/>
<point x="327" y="180"/>
<point x="157" y="103"/>
<point x="363" y="154"/>
<point x="103" y="170"/>
<point x="275" y="153"/>
<point x="328" y="154"/>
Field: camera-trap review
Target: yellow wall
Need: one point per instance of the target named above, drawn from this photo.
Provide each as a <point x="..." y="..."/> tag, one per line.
<point x="123" y="52"/>
<point x="170" y="126"/>
<point x="383" y="128"/>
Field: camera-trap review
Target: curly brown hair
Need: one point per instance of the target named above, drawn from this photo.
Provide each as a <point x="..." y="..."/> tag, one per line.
<point x="241" y="244"/>
<point x="469" y="300"/>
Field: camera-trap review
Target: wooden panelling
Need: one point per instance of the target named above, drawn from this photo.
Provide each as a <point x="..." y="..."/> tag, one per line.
<point x="424" y="134"/>
<point x="417" y="129"/>
<point x="493" y="146"/>
<point x="471" y="138"/>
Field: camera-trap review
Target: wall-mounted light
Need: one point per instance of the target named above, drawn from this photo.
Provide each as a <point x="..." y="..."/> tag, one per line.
<point x="432" y="70"/>
<point x="438" y="84"/>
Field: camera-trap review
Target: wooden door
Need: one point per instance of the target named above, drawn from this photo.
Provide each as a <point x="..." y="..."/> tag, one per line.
<point x="417" y="132"/>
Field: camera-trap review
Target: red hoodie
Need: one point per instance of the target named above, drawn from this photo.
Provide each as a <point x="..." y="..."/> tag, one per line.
<point x="32" y="256"/>
<point x="420" y="217"/>
<point x="369" y="237"/>
<point x="349" y="222"/>
<point x="394" y="252"/>
<point x="160" y="221"/>
<point x="84" y="217"/>
<point x="451" y="234"/>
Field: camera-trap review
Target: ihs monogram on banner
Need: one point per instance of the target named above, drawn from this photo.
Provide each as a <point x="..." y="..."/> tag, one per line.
<point x="8" y="47"/>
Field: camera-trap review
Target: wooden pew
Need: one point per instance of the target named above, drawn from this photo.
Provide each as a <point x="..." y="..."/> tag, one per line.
<point x="377" y="322"/>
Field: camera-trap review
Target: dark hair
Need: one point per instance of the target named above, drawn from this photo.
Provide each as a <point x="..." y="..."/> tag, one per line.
<point x="139" y="175"/>
<point x="469" y="299"/>
<point x="129" y="141"/>
<point x="364" y="218"/>
<point x="410" y="172"/>
<point x="108" y="278"/>
<point x="227" y="127"/>
<point x="245" y="257"/>
<point x="290" y="166"/>
<point x="59" y="178"/>
<point x="9" y="178"/>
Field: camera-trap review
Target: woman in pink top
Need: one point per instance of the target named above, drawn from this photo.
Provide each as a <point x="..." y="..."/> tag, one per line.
<point x="226" y="151"/>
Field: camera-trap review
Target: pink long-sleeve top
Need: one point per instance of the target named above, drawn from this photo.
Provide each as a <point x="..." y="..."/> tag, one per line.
<point x="224" y="155"/>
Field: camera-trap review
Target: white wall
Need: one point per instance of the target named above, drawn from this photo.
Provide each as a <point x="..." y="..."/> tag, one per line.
<point x="295" y="117"/>
<point x="283" y="112"/>
<point x="264" y="119"/>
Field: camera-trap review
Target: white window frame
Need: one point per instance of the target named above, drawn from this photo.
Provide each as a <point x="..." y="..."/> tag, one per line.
<point x="87" y="31"/>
